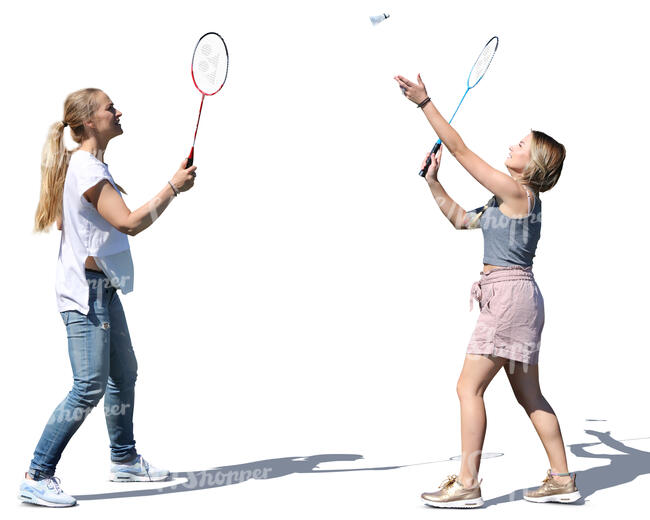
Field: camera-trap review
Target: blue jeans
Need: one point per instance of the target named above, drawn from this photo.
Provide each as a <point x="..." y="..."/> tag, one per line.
<point x="103" y="365"/>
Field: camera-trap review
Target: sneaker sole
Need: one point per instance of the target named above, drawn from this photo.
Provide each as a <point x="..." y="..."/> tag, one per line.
<point x="463" y="504"/>
<point x="565" y="498"/>
<point x="31" y="499"/>
<point x="129" y="477"/>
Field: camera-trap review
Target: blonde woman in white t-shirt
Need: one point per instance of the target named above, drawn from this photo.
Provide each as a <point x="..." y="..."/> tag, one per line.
<point x="80" y="195"/>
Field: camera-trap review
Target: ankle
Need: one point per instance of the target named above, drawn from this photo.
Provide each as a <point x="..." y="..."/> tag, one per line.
<point x="561" y="476"/>
<point x="468" y="482"/>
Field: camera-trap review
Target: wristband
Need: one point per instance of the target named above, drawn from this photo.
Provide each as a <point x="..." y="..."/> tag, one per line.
<point x="424" y="102"/>
<point x="176" y="192"/>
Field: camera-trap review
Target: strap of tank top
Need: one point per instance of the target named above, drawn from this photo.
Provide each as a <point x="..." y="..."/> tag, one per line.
<point x="528" y="193"/>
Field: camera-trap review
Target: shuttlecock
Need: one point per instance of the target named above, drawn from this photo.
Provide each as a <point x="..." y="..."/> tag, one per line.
<point x="379" y="18"/>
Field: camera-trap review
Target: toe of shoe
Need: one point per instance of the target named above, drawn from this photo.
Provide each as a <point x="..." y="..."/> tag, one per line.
<point x="430" y="497"/>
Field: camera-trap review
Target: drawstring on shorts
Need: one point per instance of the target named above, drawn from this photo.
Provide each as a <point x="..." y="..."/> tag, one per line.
<point x="509" y="273"/>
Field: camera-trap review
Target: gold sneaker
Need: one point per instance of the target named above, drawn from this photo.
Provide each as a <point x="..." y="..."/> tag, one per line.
<point x="552" y="491"/>
<point x="453" y="494"/>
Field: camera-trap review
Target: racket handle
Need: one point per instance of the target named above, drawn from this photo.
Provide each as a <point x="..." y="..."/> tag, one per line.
<point x="434" y="150"/>
<point x="190" y="159"/>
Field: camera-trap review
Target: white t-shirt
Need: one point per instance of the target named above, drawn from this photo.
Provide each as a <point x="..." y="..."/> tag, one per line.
<point x="86" y="233"/>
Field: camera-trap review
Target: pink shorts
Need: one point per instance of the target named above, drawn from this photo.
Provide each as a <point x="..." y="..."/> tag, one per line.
<point x="512" y="314"/>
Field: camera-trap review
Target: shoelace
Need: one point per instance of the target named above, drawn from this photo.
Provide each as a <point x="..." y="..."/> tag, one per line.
<point x="54" y="483"/>
<point x="448" y="481"/>
<point x="549" y="478"/>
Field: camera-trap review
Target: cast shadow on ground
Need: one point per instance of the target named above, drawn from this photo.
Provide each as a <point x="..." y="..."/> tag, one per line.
<point x="229" y="475"/>
<point x="623" y="468"/>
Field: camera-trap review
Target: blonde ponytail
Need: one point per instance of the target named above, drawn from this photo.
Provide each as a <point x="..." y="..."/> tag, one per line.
<point x="54" y="163"/>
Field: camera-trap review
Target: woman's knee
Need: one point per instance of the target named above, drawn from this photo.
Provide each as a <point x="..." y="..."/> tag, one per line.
<point x="532" y="402"/>
<point x="466" y="390"/>
<point x="87" y="394"/>
<point x="125" y="372"/>
<point x="124" y="379"/>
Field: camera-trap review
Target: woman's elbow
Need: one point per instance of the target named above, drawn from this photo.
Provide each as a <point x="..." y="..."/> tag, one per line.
<point x="127" y="230"/>
<point x="458" y="151"/>
<point x="130" y="226"/>
<point x="458" y="226"/>
<point x="461" y="222"/>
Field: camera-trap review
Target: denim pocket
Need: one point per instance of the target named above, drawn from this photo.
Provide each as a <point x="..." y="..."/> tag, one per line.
<point x="71" y="317"/>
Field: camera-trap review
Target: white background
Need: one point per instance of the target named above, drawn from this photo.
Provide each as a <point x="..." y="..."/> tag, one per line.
<point x="307" y="296"/>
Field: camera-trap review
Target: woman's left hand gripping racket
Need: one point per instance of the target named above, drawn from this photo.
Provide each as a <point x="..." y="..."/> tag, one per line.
<point x="209" y="71"/>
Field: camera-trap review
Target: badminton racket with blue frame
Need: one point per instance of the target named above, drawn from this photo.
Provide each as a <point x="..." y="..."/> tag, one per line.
<point x="475" y="75"/>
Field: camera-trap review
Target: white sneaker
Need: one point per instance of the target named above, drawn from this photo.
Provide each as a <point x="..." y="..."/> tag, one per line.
<point x="137" y="471"/>
<point x="46" y="492"/>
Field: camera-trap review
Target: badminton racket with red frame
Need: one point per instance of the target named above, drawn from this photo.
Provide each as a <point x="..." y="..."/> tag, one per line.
<point x="209" y="72"/>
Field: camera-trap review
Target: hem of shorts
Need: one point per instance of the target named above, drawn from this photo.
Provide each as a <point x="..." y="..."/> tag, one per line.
<point x="528" y="360"/>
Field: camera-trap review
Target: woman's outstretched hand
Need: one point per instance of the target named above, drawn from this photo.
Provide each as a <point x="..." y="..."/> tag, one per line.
<point x="432" y="172"/>
<point x="416" y="93"/>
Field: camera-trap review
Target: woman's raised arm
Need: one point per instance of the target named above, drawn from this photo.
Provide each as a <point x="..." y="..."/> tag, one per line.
<point x="499" y="183"/>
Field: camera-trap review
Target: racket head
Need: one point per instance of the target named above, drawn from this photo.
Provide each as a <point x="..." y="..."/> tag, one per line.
<point x="210" y="64"/>
<point x="482" y="62"/>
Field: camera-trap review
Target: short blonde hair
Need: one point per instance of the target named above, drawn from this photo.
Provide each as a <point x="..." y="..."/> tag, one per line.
<point x="546" y="158"/>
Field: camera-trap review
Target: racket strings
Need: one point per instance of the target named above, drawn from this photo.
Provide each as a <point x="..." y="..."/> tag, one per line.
<point x="478" y="70"/>
<point x="483" y="62"/>
<point x="210" y="64"/>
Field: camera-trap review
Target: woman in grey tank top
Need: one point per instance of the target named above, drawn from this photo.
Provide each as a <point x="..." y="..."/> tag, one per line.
<point x="508" y="330"/>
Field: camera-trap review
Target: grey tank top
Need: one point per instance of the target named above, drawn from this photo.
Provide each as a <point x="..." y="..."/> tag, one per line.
<point x="510" y="241"/>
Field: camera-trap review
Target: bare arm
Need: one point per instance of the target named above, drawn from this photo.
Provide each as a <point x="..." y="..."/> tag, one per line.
<point x="499" y="183"/>
<point x="454" y="213"/>
<point x="458" y="217"/>
<point x="111" y="206"/>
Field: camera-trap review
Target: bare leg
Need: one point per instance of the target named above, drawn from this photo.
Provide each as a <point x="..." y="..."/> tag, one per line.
<point x="478" y="371"/>
<point x="524" y="380"/>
